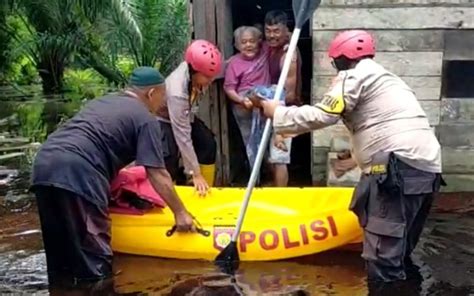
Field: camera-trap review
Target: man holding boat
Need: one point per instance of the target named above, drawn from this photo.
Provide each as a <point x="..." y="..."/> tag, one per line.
<point x="73" y="169"/>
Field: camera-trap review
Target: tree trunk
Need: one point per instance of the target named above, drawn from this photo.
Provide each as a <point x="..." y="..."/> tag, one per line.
<point x="52" y="76"/>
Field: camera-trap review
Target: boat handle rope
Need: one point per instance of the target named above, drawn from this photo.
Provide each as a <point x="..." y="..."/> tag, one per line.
<point x="199" y="229"/>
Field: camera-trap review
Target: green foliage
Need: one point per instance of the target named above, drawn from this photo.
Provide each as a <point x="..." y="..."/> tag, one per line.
<point x="153" y="32"/>
<point x="32" y="126"/>
<point x="5" y="41"/>
<point x="18" y="67"/>
<point x="125" y="65"/>
<point x="111" y="36"/>
<point x="174" y="36"/>
<point x="31" y="121"/>
<point x="84" y="83"/>
<point x="22" y="71"/>
<point x="58" y="30"/>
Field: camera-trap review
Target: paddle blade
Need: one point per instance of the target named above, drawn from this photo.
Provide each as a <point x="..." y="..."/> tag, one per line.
<point x="228" y="259"/>
<point x="303" y="10"/>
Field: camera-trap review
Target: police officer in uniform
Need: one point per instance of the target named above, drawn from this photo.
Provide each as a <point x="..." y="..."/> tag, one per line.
<point x="185" y="136"/>
<point x="393" y="144"/>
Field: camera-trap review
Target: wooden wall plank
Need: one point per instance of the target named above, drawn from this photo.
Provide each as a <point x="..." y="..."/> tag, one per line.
<point x="205" y="28"/>
<point x="456" y="135"/>
<point x="458" y="161"/>
<point x="432" y="110"/>
<point x="400" y="63"/>
<point x="395" y="3"/>
<point x="426" y="88"/>
<point x="204" y="20"/>
<point x="459" y="45"/>
<point x="457" y="110"/>
<point x="214" y="125"/>
<point x="225" y="27"/>
<point x="225" y="43"/>
<point x="391" y="40"/>
<point x="224" y="135"/>
<point x="430" y="92"/>
<point x="394" y="18"/>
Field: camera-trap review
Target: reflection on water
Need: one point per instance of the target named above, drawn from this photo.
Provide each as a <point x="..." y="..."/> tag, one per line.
<point x="23" y="271"/>
<point x="445" y="255"/>
<point x="175" y="277"/>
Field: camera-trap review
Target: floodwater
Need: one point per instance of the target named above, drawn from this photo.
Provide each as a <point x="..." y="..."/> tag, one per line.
<point x="445" y="255"/>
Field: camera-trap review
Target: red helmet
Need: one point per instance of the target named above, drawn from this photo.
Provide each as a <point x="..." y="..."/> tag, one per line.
<point x="204" y="57"/>
<point x="352" y="44"/>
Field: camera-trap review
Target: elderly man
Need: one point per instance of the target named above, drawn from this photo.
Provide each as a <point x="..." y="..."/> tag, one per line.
<point x="277" y="38"/>
<point x="74" y="167"/>
<point x="393" y="144"/>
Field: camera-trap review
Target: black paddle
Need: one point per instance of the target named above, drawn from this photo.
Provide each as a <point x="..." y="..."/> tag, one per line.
<point x="228" y="259"/>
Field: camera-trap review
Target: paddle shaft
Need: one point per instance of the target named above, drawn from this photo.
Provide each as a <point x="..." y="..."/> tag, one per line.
<point x="266" y="133"/>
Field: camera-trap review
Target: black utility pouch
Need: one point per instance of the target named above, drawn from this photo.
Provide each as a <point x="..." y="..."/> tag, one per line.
<point x="386" y="172"/>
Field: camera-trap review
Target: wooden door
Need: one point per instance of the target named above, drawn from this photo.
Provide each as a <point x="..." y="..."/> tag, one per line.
<point x="212" y="20"/>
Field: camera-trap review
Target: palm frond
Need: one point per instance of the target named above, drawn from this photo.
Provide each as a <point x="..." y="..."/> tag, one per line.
<point x="46" y="16"/>
<point x="93" y="9"/>
<point x="120" y="27"/>
<point x="151" y="31"/>
<point x="24" y="36"/>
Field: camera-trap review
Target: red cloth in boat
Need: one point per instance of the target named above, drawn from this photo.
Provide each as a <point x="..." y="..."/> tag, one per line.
<point x="133" y="180"/>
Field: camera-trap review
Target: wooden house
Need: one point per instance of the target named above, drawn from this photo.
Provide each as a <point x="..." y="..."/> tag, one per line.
<point x="429" y="43"/>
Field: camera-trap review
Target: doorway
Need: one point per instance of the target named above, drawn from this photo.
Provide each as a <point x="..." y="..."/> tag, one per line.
<point x="251" y="12"/>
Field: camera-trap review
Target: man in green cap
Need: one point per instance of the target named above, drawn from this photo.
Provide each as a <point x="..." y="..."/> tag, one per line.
<point x="74" y="167"/>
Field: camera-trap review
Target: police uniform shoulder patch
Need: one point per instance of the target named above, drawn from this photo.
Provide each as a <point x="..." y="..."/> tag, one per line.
<point x="333" y="101"/>
<point x="333" y="104"/>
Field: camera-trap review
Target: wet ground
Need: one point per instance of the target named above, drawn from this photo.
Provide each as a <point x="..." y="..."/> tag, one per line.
<point x="445" y="255"/>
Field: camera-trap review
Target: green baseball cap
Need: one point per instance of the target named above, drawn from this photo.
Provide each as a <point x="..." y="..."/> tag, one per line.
<point x="146" y="76"/>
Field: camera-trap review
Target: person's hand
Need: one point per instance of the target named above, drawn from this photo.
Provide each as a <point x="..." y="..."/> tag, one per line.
<point x="279" y="142"/>
<point x="247" y="104"/>
<point x="255" y="100"/>
<point x="346" y="154"/>
<point x="184" y="222"/>
<point x="269" y="107"/>
<point x="343" y="164"/>
<point x="200" y="184"/>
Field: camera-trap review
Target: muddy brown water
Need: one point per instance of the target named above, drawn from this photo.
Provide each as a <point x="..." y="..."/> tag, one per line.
<point x="445" y="255"/>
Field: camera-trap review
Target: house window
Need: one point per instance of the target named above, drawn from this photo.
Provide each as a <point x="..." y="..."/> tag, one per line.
<point x="458" y="79"/>
<point x="458" y="70"/>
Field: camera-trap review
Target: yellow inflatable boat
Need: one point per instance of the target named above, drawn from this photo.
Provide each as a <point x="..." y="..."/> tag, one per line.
<point x="280" y="223"/>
